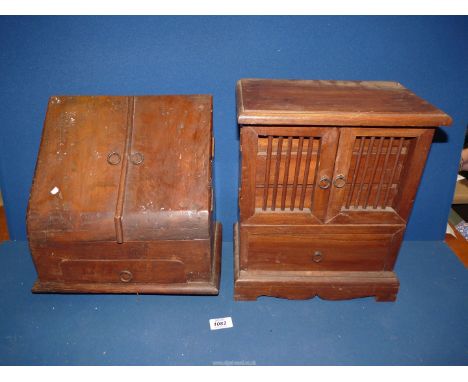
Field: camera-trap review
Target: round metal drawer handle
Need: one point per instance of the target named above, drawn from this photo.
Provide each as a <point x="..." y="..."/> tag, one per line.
<point x="126" y="276"/>
<point x="113" y="158"/>
<point x="324" y="182"/>
<point x="317" y="257"/>
<point x="339" y="181"/>
<point x="137" y="158"/>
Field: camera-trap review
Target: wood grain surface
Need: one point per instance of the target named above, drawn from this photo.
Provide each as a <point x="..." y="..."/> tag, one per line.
<point x="329" y="175"/>
<point x="341" y="103"/>
<point x="122" y="194"/>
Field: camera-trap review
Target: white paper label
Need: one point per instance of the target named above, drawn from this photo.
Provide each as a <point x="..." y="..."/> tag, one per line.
<point x="221" y="323"/>
<point x="55" y="190"/>
<point x="450" y="231"/>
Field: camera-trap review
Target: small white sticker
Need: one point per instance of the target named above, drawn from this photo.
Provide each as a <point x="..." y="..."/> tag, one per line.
<point x="221" y="323"/>
<point x="54" y="190"/>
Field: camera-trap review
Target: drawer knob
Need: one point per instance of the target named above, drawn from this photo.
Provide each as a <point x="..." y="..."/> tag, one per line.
<point x="324" y="182"/>
<point x="339" y="181"/>
<point x="317" y="257"/>
<point x="137" y="158"/>
<point x="113" y="158"/>
<point x="126" y="276"/>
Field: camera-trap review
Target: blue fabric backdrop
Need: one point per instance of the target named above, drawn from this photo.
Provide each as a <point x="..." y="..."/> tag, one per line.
<point x="44" y="56"/>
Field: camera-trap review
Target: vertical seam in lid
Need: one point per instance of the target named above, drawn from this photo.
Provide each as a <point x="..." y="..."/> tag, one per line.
<point x="123" y="171"/>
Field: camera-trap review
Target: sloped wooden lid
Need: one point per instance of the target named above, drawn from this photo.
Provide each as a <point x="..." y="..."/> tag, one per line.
<point x="124" y="169"/>
<point x="338" y="103"/>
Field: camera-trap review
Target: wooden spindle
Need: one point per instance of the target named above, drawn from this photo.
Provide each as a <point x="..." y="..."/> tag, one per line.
<point x="368" y="155"/>
<point x="286" y="174"/>
<point x="277" y="170"/>
<point x="314" y="186"/>
<point x="382" y="175"/>
<point x="374" y="171"/>
<point x="296" y="172"/>
<point x="310" y="143"/>
<point x="406" y="144"/>
<point x="267" y="173"/>
<point x="356" y="171"/>
<point x="395" y="165"/>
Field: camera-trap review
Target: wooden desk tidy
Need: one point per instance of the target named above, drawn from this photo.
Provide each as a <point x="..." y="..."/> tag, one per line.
<point x="329" y="173"/>
<point x="122" y="198"/>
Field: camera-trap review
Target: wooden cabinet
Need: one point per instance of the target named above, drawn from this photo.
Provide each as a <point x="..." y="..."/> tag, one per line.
<point x="329" y="173"/>
<point x="122" y="198"/>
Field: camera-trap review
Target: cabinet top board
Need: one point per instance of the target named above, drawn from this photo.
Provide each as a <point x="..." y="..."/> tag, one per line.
<point x="333" y="103"/>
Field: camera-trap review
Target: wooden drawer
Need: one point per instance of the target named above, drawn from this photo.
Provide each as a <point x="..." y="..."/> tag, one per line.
<point x="123" y="271"/>
<point x="313" y="252"/>
<point x="194" y="254"/>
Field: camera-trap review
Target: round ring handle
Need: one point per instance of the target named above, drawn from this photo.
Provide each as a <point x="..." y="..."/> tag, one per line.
<point x="339" y="181"/>
<point x="324" y="182"/>
<point x="126" y="276"/>
<point x="317" y="257"/>
<point x="113" y="158"/>
<point x="137" y="158"/>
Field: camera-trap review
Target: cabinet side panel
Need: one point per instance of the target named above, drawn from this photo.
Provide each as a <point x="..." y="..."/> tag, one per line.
<point x="412" y="173"/>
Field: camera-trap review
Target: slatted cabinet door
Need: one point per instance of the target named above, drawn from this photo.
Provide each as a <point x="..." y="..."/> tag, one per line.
<point x="377" y="172"/>
<point x="286" y="173"/>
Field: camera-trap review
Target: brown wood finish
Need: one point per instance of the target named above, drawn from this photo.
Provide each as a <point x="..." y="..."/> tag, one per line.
<point x="396" y="174"/>
<point x="3" y="226"/>
<point x="318" y="153"/>
<point x="458" y="244"/>
<point x="345" y="252"/>
<point x="329" y="285"/>
<point x="196" y="285"/>
<point x="121" y="200"/>
<point x="329" y="173"/>
<point x="333" y="103"/>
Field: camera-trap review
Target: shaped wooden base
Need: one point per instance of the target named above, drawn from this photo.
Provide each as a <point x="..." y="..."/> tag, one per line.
<point x="249" y="285"/>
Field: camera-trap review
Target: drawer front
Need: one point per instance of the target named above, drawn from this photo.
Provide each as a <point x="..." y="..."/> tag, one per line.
<point x="194" y="254"/>
<point x="331" y="252"/>
<point x="129" y="271"/>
